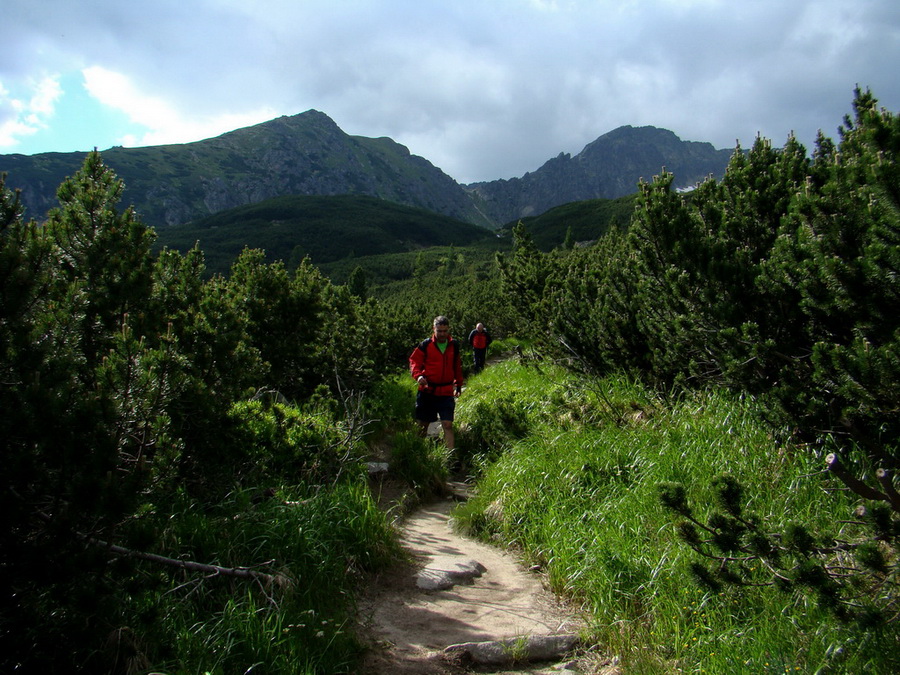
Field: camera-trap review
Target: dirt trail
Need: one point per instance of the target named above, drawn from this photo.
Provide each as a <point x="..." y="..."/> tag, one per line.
<point x="410" y="627"/>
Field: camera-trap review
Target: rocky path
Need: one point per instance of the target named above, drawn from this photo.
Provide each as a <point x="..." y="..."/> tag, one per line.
<point x="463" y="606"/>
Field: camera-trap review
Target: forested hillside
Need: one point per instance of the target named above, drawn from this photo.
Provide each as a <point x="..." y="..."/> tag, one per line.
<point x="581" y="222"/>
<point x="389" y="242"/>
<point x="323" y="229"/>
<point x="697" y="441"/>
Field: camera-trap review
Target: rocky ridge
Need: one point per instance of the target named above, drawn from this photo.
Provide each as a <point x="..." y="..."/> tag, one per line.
<point x="308" y="154"/>
<point x="608" y="168"/>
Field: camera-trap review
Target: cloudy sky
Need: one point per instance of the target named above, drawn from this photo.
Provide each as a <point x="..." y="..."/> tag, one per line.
<point x="483" y="89"/>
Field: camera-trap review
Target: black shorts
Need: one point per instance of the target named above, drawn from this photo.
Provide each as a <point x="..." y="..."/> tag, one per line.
<point x="429" y="407"/>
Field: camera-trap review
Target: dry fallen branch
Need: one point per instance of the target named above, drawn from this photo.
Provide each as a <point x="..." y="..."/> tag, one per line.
<point x="833" y="463"/>
<point x="190" y="565"/>
<point x="268" y="580"/>
<point x="886" y="479"/>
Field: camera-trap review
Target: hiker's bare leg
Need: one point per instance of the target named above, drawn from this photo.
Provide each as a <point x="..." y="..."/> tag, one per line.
<point x="449" y="436"/>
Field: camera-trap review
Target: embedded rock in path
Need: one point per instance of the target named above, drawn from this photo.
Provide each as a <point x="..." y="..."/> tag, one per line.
<point x="532" y="648"/>
<point x="376" y="468"/>
<point x="444" y="572"/>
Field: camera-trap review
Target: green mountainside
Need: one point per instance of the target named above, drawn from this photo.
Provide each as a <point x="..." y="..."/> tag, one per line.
<point x="582" y="221"/>
<point x="305" y="154"/>
<point x="386" y="240"/>
<point x="326" y="229"/>
<point x="308" y="154"/>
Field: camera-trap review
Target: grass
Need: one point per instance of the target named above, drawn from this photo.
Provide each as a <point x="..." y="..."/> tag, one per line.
<point x="573" y="482"/>
<point x="568" y="472"/>
<point x="322" y="539"/>
<point x="422" y="463"/>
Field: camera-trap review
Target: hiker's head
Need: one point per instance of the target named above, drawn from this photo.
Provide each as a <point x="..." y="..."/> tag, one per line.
<point x="441" y="328"/>
<point x="480" y="327"/>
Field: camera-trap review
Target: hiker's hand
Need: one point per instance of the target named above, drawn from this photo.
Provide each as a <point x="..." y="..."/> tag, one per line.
<point x="458" y="391"/>
<point x="422" y="381"/>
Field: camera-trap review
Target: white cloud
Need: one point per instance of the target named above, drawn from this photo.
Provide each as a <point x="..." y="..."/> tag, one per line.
<point x="164" y="122"/>
<point x="20" y="118"/>
<point x="117" y="91"/>
<point x="46" y="93"/>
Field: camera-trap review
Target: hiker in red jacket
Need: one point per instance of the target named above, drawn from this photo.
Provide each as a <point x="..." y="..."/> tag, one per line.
<point x="480" y="339"/>
<point x="436" y="366"/>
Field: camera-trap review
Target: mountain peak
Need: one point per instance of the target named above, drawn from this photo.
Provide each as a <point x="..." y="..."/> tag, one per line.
<point x="607" y="168"/>
<point x="308" y="154"/>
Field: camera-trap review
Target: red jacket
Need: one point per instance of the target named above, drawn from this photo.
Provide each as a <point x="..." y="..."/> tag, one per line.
<point x="443" y="371"/>
<point x="479" y="340"/>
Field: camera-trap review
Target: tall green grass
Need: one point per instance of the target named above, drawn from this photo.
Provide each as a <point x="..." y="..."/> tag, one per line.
<point x="422" y="463"/>
<point x="573" y="483"/>
<point x="317" y="540"/>
<point x="390" y="405"/>
<point x="309" y="520"/>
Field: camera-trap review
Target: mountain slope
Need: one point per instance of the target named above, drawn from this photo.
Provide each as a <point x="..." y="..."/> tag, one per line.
<point x="304" y="154"/>
<point x="584" y="221"/>
<point x="608" y="168"/>
<point x="308" y="154"/>
<point x="326" y="229"/>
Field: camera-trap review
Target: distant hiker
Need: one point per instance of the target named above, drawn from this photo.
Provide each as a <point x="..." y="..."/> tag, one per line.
<point x="480" y="339"/>
<point x="436" y="366"/>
